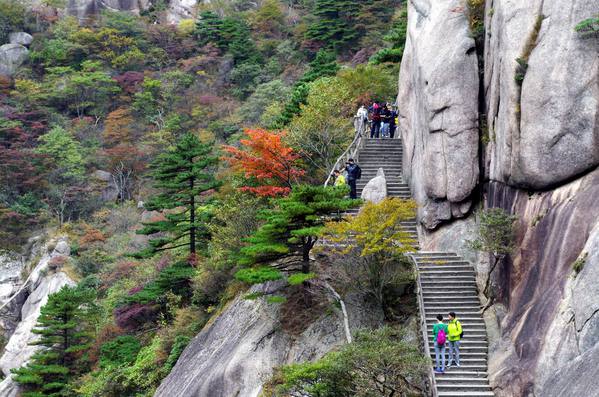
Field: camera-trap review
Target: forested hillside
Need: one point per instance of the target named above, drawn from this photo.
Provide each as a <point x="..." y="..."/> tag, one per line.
<point x="152" y="150"/>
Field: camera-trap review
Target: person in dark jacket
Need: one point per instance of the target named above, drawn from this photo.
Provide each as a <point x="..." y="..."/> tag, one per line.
<point x="393" y="123"/>
<point x="385" y="121"/>
<point x="353" y="174"/>
<point x="375" y="117"/>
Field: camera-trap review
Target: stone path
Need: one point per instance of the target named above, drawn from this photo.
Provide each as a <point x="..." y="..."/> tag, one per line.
<point x="446" y="283"/>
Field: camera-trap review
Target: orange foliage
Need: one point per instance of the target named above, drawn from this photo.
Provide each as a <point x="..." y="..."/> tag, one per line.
<point x="91" y="236"/>
<point x="265" y="158"/>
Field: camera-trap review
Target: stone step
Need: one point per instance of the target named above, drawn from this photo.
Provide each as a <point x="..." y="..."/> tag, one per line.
<point x="446" y="278"/>
<point x="464" y="350"/>
<point x="463" y="387"/>
<point x="455" y="372"/>
<point x="462" y="380"/>
<point x="447" y="273"/>
<point x="465" y="394"/>
<point x="467" y="354"/>
<point x="466" y="343"/>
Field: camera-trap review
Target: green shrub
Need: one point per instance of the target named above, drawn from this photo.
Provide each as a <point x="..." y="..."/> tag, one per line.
<point x="258" y="275"/>
<point x="179" y="345"/>
<point x="377" y="360"/>
<point x="120" y="351"/>
<point x="588" y="27"/>
<point x="299" y="278"/>
<point x="579" y="263"/>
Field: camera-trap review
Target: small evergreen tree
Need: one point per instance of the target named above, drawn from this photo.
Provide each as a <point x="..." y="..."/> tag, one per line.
<point x="294" y="224"/>
<point x="496" y="236"/>
<point x="64" y="326"/>
<point x="183" y="174"/>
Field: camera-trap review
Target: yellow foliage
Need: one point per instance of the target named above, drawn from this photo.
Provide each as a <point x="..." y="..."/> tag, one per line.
<point x="376" y="229"/>
<point x="186" y="27"/>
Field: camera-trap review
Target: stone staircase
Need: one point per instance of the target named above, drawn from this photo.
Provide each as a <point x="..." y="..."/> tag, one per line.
<point x="386" y="154"/>
<point x="448" y="283"/>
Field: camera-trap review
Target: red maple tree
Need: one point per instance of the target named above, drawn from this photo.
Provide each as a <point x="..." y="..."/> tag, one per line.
<point x="265" y="159"/>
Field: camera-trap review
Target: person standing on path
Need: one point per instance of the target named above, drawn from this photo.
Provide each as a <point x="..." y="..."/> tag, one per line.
<point x="339" y="178"/>
<point x="354" y="172"/>
<point x="440" y="332"/>
<point x="393" y="124"/>
<point x="454" y="328"/>
<point x="375" y="126"/>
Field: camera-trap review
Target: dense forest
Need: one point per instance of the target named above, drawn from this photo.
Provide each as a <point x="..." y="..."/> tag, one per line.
<point x="177" y="158"/>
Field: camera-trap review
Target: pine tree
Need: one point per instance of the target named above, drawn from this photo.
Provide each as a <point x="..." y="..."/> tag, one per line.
<point x="64" y="327"/>
<point x="324" y="64"/>
<point x="334" y="27"/>
<point x="182" y="173"/>
<point x="294" y="224"/>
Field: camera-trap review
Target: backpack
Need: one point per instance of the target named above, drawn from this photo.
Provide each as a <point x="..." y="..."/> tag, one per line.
<point x="358" y="172"/>
<point x="461" y="330"/>
<point x="441" y="337"/>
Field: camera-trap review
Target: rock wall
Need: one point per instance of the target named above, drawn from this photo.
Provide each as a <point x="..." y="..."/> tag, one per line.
<point x="540" y="96"/>
<point x="176" y="11"/>
<point x="438" y="110"/>
<point x="544" y="131"/>
<point x="237" y="352"/>
<point x="32" y="295"/>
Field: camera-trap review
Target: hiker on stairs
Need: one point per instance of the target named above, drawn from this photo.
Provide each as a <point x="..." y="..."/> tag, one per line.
<point x="354" y="172"/>
<point x="339" y="178"/>
<point x="440" y="332"/>
<point x="454" y="336"/>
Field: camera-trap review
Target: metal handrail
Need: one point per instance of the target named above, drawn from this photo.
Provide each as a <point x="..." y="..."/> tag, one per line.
<point x="352" y="150"/>
<point x="423" y="327"/>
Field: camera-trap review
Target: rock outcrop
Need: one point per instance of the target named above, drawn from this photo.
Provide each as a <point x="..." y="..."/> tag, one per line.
<point x="438" y="110"/>
<point x="177" y="9"/>
<point x="544" y="130"/>
<point x="41" y="282"/>
<point x="376" y="188"/>
<point x="540" y="96"/>
<point x="237" y="352"/>
<point x="21" y="38"/>
<point x="11" y="57"/>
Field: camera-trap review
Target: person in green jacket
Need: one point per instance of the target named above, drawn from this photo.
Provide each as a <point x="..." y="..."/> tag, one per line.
<point x="439" y="341"/>
<point x="455" y="335"/>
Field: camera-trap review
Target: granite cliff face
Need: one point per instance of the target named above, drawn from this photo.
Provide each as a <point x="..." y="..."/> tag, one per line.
<point x="540" y="99"/>
<point x="438" y="120"/>
<point x="22" y="299"/>
<point x="238" y="351"/>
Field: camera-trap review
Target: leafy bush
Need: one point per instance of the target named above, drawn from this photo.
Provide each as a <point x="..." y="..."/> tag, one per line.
<point x="120" y="351"/>
<point x="258" y="275"/>
<point x="379" y="360"/>
<point x="588" y="27"/>
<point x="91" y="262"/>
<point x="180" y="344"/>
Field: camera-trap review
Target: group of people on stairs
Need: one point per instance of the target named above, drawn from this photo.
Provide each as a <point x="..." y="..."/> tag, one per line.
<point x="382" y="117"/>
<point x="353" y="172"/>
<point x="447" y="335"/>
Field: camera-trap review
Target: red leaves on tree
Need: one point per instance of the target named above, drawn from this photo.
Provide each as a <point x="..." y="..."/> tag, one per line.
<point x="267" y="160"/>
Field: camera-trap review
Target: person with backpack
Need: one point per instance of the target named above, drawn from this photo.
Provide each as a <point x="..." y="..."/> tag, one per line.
<point x="375" y="117"/>
<point x="354" y="172"/>
<point x="440" y="338"/>
<point x="454" y="335"/>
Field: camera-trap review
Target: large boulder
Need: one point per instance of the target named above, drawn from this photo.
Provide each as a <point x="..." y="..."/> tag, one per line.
<point x="438" y="109"/>
<point x="11" y="57"/>
<point x="234" y="354"/>
<point x="544" y="130"/>
<point x="22" y="38"/>
<point x="376" y="188"/>
<point x="181" y="9"/>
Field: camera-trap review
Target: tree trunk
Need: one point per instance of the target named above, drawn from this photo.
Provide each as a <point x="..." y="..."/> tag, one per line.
<point x="306" y="247"/>
<point x="192" y="221"/>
